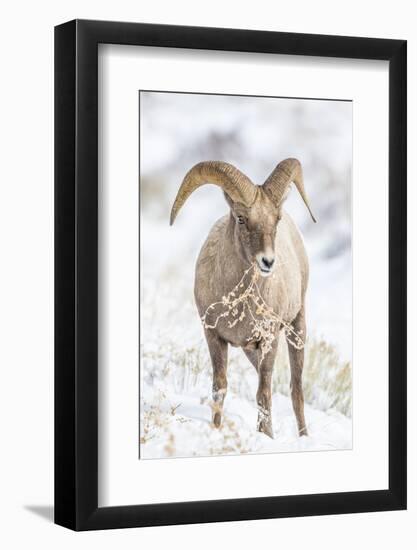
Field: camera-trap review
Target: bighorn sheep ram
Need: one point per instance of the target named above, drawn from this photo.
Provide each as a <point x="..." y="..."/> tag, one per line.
<point x="257" y="234"/>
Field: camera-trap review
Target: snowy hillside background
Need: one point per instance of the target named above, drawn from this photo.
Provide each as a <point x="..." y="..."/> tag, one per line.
<point x="177" y="131"/>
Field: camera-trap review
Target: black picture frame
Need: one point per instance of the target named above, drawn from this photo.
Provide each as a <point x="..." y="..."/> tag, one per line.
<point x="76" y="272"/>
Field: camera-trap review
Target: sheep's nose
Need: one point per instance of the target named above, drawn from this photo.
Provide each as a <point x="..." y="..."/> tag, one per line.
<point x="268" y="262"/>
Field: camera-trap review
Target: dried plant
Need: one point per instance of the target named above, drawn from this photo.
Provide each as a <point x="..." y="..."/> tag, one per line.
<point x="245" y="299"/>
<point x="327" y="379"/>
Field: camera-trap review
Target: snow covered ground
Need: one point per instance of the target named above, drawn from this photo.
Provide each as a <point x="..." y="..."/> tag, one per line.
<point x="179" y="425"/>
<point x="175" y="371"/>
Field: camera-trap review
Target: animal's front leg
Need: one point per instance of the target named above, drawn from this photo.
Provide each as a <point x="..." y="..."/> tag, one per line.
<point x="263" y="395"/>
<point x="218" y="353"/>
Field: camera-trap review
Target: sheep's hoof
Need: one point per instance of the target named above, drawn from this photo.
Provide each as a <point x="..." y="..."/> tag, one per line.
<point x="217" y="420"/>
<point x="265" y="426"/>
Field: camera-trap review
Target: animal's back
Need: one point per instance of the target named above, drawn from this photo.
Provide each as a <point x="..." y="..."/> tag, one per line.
<point x="289" y="246"/>
<point x="207" y="266"/>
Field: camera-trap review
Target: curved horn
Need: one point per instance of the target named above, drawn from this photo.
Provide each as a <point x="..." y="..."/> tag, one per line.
<point x="287" y="171"/>
<point x="238" y="186"/>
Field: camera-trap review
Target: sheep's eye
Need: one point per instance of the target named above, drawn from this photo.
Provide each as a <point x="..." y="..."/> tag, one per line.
<point x="240" y="219"/>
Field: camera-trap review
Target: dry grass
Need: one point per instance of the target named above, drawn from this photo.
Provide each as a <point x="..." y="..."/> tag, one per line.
<point x="182" y="367"/>
<point x="327" y="381"/>
<point x="245" y="299"/>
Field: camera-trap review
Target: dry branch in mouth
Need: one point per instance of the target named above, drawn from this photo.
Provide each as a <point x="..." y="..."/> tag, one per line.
<point x="245" y="299"/>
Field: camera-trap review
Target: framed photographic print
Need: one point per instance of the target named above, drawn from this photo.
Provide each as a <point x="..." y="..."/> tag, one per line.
<point x="230" y="252"/>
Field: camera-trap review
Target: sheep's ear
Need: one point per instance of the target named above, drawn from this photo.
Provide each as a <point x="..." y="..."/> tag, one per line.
<point x="228" y="200"/>
<point x="285" y="197"/>
<point x="236" y="207"/>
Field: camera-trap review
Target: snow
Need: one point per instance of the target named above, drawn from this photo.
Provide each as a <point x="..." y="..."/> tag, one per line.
<point x="184" y="427"/>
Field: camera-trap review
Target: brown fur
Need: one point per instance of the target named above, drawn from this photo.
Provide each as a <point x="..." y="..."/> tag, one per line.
<point x="229" y="250"/>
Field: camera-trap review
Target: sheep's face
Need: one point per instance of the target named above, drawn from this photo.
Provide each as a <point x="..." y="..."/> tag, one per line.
<point x="255" y="231"/>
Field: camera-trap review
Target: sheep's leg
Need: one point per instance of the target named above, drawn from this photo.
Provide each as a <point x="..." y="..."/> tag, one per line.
<point x="297" y="363"/>
<point x="218" y="353"/>
<point x="263" y="395"/>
